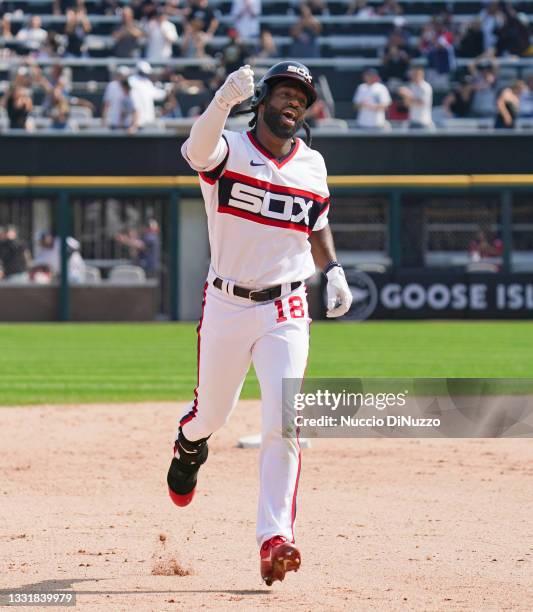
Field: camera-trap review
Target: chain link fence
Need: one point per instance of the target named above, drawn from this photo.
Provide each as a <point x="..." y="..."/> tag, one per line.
<point x="450" y="231"/>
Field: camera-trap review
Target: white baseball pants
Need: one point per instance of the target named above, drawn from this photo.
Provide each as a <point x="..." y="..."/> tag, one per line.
<point x="234" y="332"/>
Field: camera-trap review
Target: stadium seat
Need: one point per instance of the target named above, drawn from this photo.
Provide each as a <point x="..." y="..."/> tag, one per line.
<point x="92" y="275"/>
<point x="482" y="266"/>
<point x="468" y="125"/>
<point x="374" y="267"/>
<point x="18" y="279"/>
<point x="127" y="275"/>
<point x="332" y="124"/>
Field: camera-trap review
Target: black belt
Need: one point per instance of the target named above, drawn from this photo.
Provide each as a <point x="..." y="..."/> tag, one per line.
<point x="256" y="295"/>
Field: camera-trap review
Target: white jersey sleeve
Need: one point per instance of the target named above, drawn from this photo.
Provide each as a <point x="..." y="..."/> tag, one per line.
<point x="205" y="149"/>
<point x="220" y="157"/>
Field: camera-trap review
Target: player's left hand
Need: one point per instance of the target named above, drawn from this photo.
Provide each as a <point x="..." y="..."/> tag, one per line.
<point x="339" y="294"/>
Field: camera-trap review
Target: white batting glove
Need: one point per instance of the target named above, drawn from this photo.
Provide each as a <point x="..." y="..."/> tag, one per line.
<point x="339" y="294"/>
<point x="239" y="86"/>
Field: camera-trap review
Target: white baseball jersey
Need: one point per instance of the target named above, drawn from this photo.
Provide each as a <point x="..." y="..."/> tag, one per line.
<point x="261" y="211"/>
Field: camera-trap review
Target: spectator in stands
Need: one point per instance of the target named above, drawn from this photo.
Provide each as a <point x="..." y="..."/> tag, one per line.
<point x="147" y="247"/>
<point x="397" y="111"/>
<point x="60" y="7"/>
<point x="5" y="30"/>
<point x="14" y="253"/>
<point x="400" y="36"/>
<point x="318" y="7"/>
<point x="245" y="17"/>
<point x="145" y="94"/>
<point x="439" y="25"/>
<point x="361" y="9"/>
<point x="508" y="105"/>
<point x="33" y="36"/>
<point x="526" y="99"/>
<point x="7" y="34"/>
<point x="319" y="111"/>
<point x="177" y="83"/>
<point x="485" y="245"/>
<point x="143" y="9"/>
<point x="459" y="101"/>
<point x="59" y="110"/>
<point x="60" y="76"/>
<point x="77" y="27"/>
<point x="110" y="7"/>
<point x="194" y="39"/>
<point x="305" y="33"/>
<point x="471" y="40"/>
<point x="202" y="17"/>
<point x="26" y="74"/>
<point x="491" y="18"/>
<point x="128" y="239"/>
<point x="395" y="63"/>
<point x="48" y="257"/>
<point x="175" y="7"/>
<point x="171" y="107"/>
<point x="19" y="105"/>
<point x="51" y="48"/>
<point x="512" y="36"/>
<point x="266" y="49"/>
<point x="58" y="86"/>
<point x="234" y="54"/>
<point x="485" y="88"/>
<point x="441" y="57"/>
<point x="128" y="117"/>
<point x="436" y="44"/>
<point x="127" y="36"/>
<point x="48" y="253"/>
<point x="418" y="97"/>
<point x="390" y="7"/>
<point x="371" y="100"/>
<point x="161" y="35"/>
<point x="112" y="101"/>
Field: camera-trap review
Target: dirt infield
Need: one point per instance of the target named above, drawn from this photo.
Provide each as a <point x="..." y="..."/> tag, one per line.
<point x="382" y="524"/>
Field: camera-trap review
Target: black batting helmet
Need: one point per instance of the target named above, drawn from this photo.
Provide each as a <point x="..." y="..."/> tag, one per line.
<point x="285" y="70"/>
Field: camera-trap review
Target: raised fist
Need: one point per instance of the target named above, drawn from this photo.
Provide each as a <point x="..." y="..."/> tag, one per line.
<point x="239" y="86"/>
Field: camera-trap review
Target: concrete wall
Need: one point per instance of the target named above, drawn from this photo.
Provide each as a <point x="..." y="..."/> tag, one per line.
<point x="193" y="257"/>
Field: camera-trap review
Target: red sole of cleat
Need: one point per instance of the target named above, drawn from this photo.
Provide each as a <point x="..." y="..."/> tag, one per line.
<point x="287" y="559"/>
<point x="181" y="500"/>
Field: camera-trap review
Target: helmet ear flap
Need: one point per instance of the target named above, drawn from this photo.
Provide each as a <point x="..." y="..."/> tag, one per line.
<point x="259" y="94"/>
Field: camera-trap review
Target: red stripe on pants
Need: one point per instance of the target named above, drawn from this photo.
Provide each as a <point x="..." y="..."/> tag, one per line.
<point x="190" y="415"/>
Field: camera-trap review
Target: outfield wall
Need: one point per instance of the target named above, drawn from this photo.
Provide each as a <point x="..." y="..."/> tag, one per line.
<point x="351" y="153"/>
<point x="399" y="210"/>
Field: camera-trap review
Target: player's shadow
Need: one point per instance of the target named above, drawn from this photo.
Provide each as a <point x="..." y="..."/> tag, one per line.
<point x="66" y="584"/>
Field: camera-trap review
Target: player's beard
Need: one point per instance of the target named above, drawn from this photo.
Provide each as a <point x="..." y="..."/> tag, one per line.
<point x="272" y="118"/>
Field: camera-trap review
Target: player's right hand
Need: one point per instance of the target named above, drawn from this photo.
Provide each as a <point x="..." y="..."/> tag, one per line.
<point x="239" y="86"/>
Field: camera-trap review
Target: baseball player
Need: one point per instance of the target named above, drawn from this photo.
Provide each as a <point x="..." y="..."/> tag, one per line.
<point x="266" y="199"/>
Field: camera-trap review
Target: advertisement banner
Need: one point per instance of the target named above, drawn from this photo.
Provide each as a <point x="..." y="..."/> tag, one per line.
<point x="432" y="294"/>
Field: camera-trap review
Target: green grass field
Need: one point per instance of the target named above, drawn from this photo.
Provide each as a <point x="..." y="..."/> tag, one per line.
<point x="68" y="363"/>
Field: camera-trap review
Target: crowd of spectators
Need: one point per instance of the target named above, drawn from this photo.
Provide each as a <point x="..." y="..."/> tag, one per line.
<point x="476" y="94"/>
<point x="18" y="264"/>
<point x="413" y="65"/>
<point x="429" y="61"/>
<point x="42" y="263"/>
